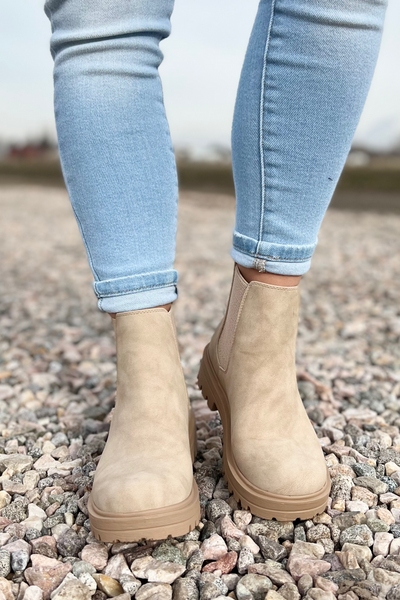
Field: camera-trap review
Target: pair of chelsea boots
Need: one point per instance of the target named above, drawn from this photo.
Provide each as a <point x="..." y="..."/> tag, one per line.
<point x="144" y="486"/>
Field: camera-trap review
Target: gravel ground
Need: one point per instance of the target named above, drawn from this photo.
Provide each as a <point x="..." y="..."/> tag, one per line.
<point x="57" y="387"/>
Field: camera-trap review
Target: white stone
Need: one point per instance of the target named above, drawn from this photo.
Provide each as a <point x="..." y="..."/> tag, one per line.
<point x="382" y="543"/>
<point x="164" y="572"/>
<point x="33" y="593"/>
<point x="48" y="447"/>
<point x="5" y="499"/>
<point x="31" y="479"/>
<point x="395" y="547"/>
<point x="33" y="523"/>
<point x="390" y="468"/>
<point x="59" y="529"/>
<point x="356" y="506"/>
<point x="36" y="511"/>
<point x="88" y="580"/>
<point x="242" y="518"/>
<point x="140" y="565"/>
<point x="396" y="513"/>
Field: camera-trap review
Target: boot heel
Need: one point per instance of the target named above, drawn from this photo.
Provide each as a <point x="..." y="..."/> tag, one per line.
<point x="203" y="382"/>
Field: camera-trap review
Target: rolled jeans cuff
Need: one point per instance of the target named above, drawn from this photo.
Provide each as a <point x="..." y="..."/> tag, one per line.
<point x="135" y="292"/>
<point x="275" y="258"/>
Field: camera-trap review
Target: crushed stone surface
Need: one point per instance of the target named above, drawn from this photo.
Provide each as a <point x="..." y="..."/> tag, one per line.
<point x="57" y="389"/>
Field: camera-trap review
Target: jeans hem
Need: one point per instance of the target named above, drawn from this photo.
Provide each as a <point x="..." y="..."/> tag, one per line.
<point x="138" y="300"/>
<point x="135" y="292"/>
<point x="274" y="258"/>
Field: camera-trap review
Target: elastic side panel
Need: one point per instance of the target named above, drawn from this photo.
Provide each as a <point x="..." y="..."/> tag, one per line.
<point x="239" y="285"/>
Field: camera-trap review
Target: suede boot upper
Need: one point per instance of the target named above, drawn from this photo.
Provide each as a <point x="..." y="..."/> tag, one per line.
<point x="146" y="463"/>
<point x="253" y="354"/>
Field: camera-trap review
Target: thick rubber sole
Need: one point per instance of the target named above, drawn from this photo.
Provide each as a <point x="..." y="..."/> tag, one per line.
<point x="154" y="524"/>
<point x="260" y="502"/>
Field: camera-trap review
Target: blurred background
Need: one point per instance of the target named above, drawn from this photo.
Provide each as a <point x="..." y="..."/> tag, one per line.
<point x="203" y="58"/>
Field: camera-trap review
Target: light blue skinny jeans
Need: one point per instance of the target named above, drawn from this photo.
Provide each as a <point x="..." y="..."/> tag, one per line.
<point x="305" y="78"/>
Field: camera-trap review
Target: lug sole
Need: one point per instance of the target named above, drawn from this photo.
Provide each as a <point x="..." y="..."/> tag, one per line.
<point x="154" y="524"/>
<point x="260" y="502"/>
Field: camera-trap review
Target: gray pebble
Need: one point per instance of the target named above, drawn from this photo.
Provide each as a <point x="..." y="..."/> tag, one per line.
<point x="245" y="559"/>
<point x="271" y="549"/>
<point x="217" y="508"/>
<point x="358" y="534"/>
<point x="5" y="563"/>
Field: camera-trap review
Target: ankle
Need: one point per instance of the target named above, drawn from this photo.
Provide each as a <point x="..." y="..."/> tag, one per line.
<point x="271" y="278"/>
<point x="166" y="307"/>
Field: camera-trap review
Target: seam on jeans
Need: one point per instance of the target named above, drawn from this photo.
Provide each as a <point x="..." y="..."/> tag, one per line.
<point x="146" y="287"/>
<point x="130" y="276"/>
<point x="261" y="124"/>
<point x="80" y="226"/>
<point x="257" y="256"/>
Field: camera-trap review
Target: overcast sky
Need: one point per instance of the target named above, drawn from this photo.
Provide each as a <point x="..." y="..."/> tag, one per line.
<point x="203" y="58"/>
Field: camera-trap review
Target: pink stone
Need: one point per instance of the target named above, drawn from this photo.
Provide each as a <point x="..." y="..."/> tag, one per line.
<point x="247" y="542"/>
<point x="39" y="560"/>
<point x="17" y="546"/>
<point x="229" y="529"/>
<point x="47" y="578"/>
<point x="299" y="565"/>
<point x="338" y="449"/>
<point x="44" y="463"/>
<point x="225" y="564"/>
<point x="360" y="493"/>
<point x="388" y="497"/>
<point x="214" y="547"/>
<point x="4" y="522"/>
<point x="6" y="589"/>
<point x="326" y="585"/>
<point x="45" y="539"/>
<point x="385" y="515"/>
<point x="116" y="567"/>
<point x="318" y="594"/>
<point x="96" y="555"/>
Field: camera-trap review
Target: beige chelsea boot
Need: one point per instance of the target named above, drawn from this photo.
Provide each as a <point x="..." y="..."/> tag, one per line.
<point x="144" y="486"/>
<point x="273" y="461"/>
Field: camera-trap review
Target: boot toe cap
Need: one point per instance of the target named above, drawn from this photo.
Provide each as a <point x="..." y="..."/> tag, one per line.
<point x="140" y="492"/>
<point x="290" y="472"/>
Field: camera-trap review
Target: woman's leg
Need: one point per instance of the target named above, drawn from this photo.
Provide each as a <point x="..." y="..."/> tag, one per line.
<point x="120" y="173"/>
<point x="305" y="78"/>
<point x="115" y="146"/>
<point x="304" y="82"/>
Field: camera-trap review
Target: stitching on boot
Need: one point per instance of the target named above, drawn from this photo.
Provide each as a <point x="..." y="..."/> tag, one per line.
<point x="138" y="312"/>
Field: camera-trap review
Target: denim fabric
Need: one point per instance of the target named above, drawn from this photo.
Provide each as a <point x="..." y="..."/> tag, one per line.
<point x="115" y="147"/>
<point x="304" y="81"/>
